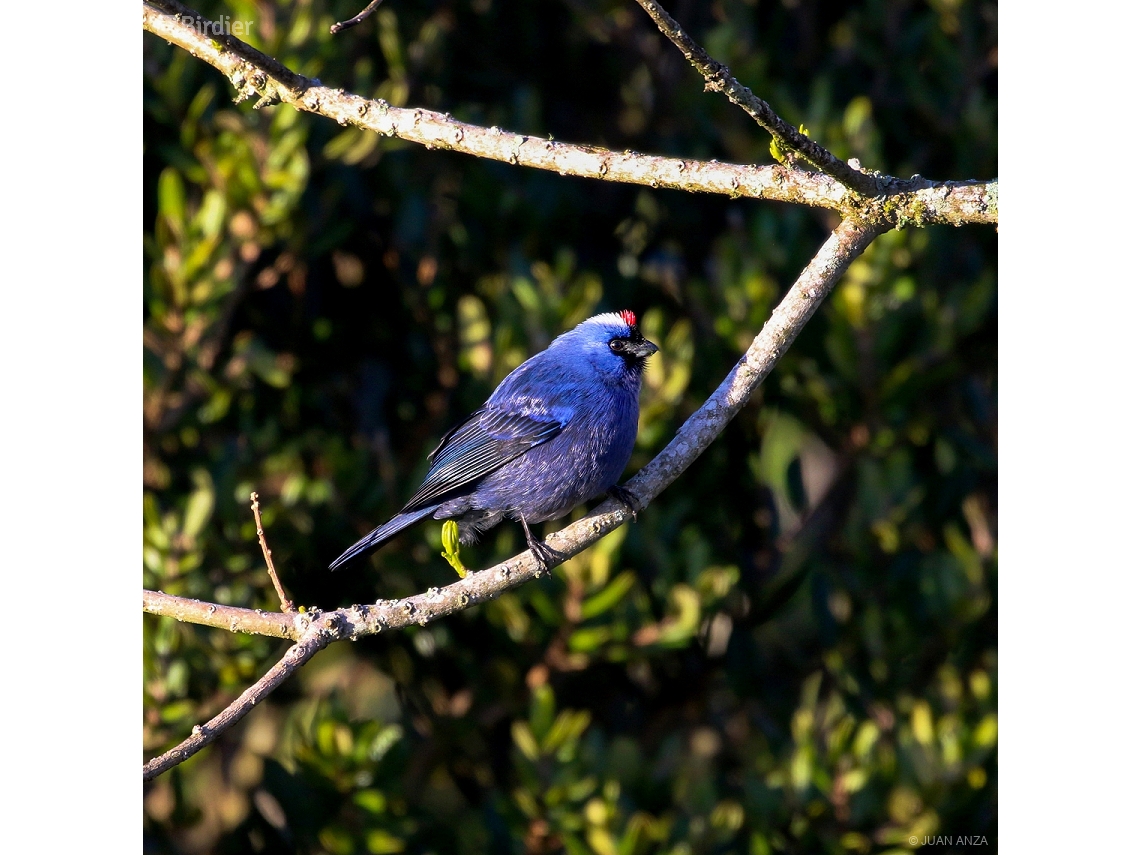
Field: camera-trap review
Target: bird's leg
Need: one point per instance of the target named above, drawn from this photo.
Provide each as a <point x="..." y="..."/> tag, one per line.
<point x="625" y="497"/>
<point x="545" y="555"/>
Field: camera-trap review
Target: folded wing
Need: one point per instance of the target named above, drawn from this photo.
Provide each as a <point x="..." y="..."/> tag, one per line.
<point x="488" y="439"/>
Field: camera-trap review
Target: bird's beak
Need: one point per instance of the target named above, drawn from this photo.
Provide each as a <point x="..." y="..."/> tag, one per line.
<point x="642" y="349"/>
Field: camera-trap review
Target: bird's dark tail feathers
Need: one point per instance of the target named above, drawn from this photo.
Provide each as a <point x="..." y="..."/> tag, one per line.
<point x="378" y="536"/>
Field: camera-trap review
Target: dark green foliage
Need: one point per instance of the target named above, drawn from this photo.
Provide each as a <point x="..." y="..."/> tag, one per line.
<point x="794" y="649"/>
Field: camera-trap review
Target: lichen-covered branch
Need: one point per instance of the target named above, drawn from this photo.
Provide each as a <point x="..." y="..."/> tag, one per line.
<point x="903" y="202"/>
<point x="232" y="618"/>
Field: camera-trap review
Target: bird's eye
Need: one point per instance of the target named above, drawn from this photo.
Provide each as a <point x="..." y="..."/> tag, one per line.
<point x="615" y="345"/>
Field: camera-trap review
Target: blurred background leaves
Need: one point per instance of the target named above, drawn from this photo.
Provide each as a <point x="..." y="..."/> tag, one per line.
<point x="794" y="649"/>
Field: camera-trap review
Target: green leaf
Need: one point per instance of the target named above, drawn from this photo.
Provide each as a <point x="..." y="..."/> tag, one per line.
<point x="525" y="740"/>
<point x="451" y="547"/>
<point x="211" y="217"/>
<point x="679" y="628"/>
<point x="542" y="707"/>
<point x="609" y="596"/>
<point x="776" y="149"/>
<point x="569" y="725"/>
<point x="380" y="842"/>
<point x="589" y="638"/>
<point x="172" y="200"/>
<point x="200" y="506"/>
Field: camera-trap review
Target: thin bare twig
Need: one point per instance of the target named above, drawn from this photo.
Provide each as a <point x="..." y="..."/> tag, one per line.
<point x="352" y="22"/>
<point x="719" y="78"/>
<point x="286" y="604"/>
<point x="903" y="202"/>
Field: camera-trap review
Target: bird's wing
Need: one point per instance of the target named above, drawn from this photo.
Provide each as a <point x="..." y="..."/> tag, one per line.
<point x="479" y="446"/>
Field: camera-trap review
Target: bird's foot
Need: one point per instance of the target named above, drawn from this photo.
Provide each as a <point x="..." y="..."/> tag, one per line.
<point x="546" y="556"/>
<point x="625" y="497"/>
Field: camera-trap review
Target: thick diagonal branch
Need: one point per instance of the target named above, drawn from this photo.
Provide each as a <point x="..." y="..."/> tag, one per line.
<point x="718" y="77"/>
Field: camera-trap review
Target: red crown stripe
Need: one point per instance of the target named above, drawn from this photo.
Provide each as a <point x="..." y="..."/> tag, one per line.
<point x="629" y="317"/>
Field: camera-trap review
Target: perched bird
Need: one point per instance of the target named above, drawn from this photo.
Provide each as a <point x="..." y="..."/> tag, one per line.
<point x="557" y="431"/>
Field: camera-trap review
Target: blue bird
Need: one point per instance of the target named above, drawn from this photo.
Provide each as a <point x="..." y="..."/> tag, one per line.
<point x="557" y="431"/>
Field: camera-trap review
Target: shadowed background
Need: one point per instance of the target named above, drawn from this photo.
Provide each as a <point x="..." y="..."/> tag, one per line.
<point x="794" y="649"/>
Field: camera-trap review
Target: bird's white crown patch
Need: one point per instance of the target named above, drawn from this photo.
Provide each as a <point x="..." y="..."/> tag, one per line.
<point x="624" y="317"/>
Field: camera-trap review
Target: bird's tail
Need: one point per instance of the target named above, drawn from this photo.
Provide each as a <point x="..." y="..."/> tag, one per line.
<point x="376" y="538"/>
